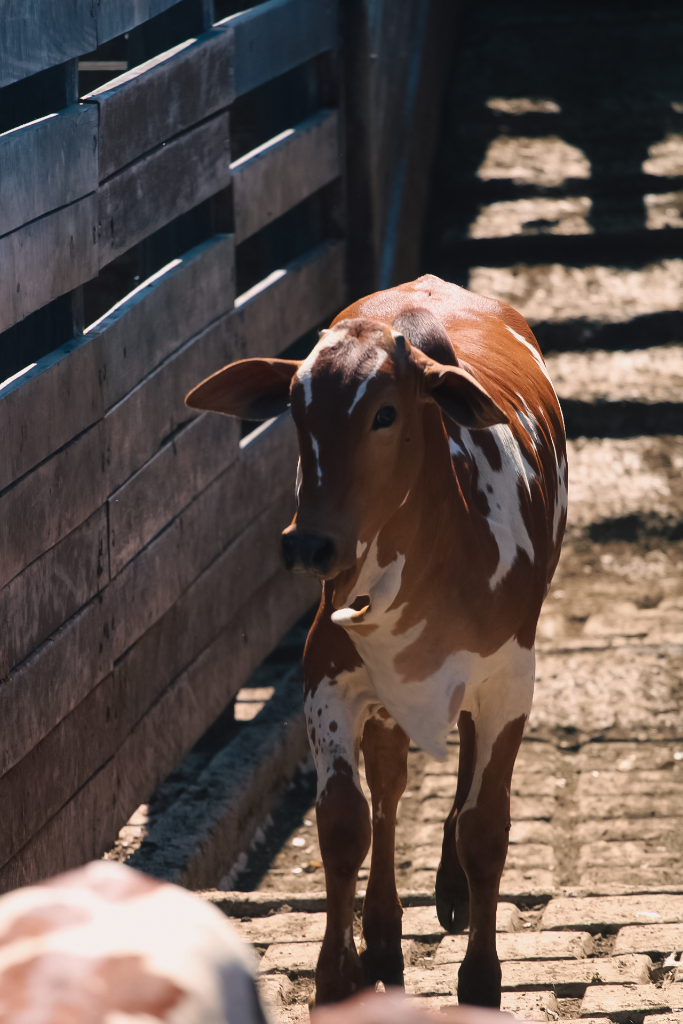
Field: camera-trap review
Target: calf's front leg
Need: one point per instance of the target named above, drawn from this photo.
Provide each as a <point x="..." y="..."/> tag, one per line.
<point x="385" y="749"/>
<point x="335" y="712"/>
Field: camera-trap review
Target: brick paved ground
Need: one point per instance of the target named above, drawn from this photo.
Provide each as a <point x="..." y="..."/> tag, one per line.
<point x="567" y="209"/>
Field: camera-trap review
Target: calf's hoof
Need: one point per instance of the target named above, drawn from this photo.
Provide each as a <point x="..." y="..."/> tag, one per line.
<point x="339" y="974"/>
<point x="452" y="900"/>
<point x="479" y="982"/>
<point x="383" y="965"/>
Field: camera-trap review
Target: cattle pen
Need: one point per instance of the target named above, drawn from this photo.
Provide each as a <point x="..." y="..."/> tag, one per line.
<point x="180" y="185"/>
<point x="187" y="182"/>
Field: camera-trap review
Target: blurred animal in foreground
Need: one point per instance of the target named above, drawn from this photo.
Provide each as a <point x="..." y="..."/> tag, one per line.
<point x="106" y="944"/>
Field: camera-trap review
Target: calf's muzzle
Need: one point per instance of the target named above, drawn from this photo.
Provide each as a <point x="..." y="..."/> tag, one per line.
<point x="307" y="552"/>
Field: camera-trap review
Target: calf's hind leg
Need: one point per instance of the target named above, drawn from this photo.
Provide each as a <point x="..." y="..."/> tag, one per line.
<point x="452" y="887"/>
<point x="498" y="713"/>
<point x="385" y="748"/>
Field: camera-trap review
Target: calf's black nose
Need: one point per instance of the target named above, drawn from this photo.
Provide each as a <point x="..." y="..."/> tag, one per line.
<point x="307" y="552"/>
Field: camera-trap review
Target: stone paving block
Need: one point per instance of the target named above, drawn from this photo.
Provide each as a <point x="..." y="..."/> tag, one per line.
<point x="523" y="946"/>
<point x="538" y="757"/>
<point x="601" y="879"/>
<point x="626" y="757"/>
<point x="536" y="784"/>
<point x="427" y="857"/>
<point x="531" y="1005"/>
<point x="600" y="913"/>
<point x="523" y="808"/>
<point x="624" y="829"/>
<point x="422" y="922"/>
<point x="438" y="785"/>
<point x="607" y="783"/>
<point x="291" y="958"/>
<point x="431" y="981"/>
<point x="294" y="927"/>
<point x="532" y="808"/>
<point x="620" y="1001"/>
<point x="628" y="854"/>
<point x="569" y="978"/>
<point x="518" y="881"/>
<point x="435" y="809"/>
<point x="429" y="834"/>
<point x="533" y="832"/>
<point x="449" y="767"/>
<point x="274" y="989"/>
<point x="629" y="806"/>
<point x="523" y="856"/>
<point x="297" y="1013"/>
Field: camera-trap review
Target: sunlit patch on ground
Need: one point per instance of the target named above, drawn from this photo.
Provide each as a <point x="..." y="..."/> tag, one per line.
<point x="522" y="105"/>
<point x="663" y="211"/>
<point x="537" y="216"/>
<point x="665" y="158"/>
<point x="555" y="292"/>
<point x="545" y="161"/>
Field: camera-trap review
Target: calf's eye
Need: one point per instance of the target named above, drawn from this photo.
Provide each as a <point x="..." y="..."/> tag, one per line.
<point x="384" y="418"/>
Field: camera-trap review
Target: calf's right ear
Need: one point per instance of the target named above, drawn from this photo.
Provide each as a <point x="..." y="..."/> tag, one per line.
<point x="251" y="389"/>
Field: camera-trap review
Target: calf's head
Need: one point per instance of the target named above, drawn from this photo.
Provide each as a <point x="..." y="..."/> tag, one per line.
<point x="359" y="402"/>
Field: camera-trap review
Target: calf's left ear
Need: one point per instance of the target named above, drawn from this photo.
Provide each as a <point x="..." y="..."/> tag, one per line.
<point x="461" y="397"/>
<point x="251" y="389"/>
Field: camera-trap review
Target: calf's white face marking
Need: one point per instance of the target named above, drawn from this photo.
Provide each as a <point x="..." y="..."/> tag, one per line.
<point x="362" y="388"/>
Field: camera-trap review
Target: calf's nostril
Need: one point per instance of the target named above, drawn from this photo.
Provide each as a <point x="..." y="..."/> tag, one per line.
<point x="289" y="551"/>
<point x="321" y="556"/>
<point x="306" y="552"/>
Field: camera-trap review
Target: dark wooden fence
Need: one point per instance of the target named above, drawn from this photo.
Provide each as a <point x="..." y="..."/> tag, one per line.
<point x="139" y="574"/>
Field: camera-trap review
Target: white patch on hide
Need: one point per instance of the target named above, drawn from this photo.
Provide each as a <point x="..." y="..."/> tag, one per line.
<point x="504" y="693"/>
<point x="537" y="355"/>
<point x="501" y="489"/>
<point x="299" y="480"/>
<point x="316" y="452"/>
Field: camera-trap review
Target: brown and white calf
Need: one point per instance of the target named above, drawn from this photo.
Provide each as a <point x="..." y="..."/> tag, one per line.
<point x="432" y="491"/>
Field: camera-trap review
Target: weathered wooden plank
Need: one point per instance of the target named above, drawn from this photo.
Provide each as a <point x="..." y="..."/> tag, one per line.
<point x="163" y="313"/>
<point x="84" y="649"/>
<point x="78" y="746"/>
<point x="163" y="97"/>
<point x="154" y="495"/>
<point x="43" y="507"/>
<point x="39" y="33"/>
<point x="161" y="186"/>
<point x="48" y="163"/>
<point x="284" y="171"/>
<point x="70" y="389"/>
<point x="46" y="258"/>
<point x="276" y="36"/>
<point x="88" y="824"/>
<point x="269" y="318"/>
<point x="292" y="301"/>
<point x="50" y="590"/>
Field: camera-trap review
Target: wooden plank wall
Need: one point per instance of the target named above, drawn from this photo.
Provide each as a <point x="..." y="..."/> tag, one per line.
<point x="395" y="60"/>
<point x="139" y="572"/>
